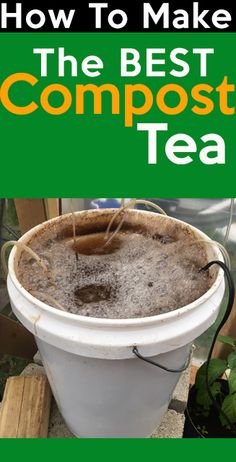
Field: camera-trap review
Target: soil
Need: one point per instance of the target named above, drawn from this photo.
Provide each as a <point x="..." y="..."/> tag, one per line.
<point x="198" y="425"/>
<point x="135" y="275"/>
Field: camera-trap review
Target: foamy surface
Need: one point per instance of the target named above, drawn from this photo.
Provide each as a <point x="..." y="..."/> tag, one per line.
<point x="143" y="276"/>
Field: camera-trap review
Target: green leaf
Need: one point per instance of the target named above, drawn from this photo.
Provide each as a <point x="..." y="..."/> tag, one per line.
<point x="203" y="399"/>
<point x="227" y="340"/>
<point x="232" y="360"/>
<point x="229" y="408"/>
<point x="232" y="381"/>
<point x="216" y="368"/>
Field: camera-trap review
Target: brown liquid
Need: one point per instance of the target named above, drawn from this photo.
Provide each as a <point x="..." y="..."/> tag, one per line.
<point x="133" y="276"/>
<point x="93" y="293"/>
<point x="95" y="244"/>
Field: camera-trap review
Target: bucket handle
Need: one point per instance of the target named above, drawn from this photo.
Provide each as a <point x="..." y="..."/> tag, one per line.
<point x="164" y="368"/>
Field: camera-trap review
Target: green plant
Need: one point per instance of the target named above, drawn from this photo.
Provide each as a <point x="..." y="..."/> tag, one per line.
<point x="224" y="396"/>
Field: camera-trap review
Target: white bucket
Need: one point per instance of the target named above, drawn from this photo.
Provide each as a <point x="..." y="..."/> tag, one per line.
<point x="101" y="388"/>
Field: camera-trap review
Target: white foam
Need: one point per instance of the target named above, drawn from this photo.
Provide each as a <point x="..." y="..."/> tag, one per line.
<point x="144" y="277"/>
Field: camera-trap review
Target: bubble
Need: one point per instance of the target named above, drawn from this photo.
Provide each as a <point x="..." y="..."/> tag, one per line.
<point x="137" y="276"/>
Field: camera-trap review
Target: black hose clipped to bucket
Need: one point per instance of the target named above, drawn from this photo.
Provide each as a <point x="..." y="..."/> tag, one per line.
<point x="225" y="317"/>
<point x="222" y="323"/>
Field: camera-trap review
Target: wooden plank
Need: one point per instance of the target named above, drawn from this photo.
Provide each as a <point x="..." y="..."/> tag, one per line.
<point x="30" y="212"/>
<point x="193" y="374"/>
<point x="25" y="408"/>
<point x="10" y="408"/>
<point x="221" y="350"/>
<point x="52" y="208"/>
<point x="15" y="339"/>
